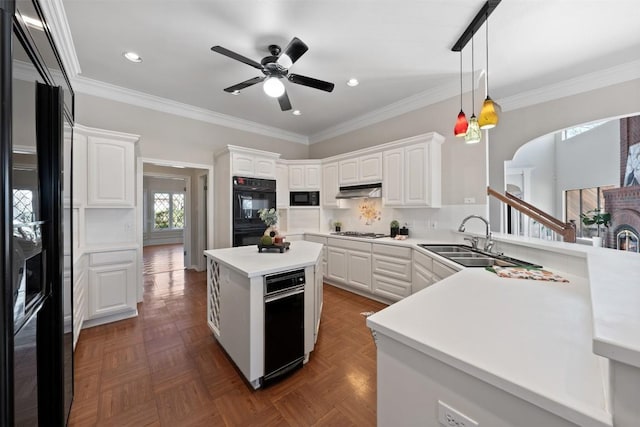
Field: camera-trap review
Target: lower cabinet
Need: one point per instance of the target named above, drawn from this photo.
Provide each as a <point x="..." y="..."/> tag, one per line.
<point x="392" y="271"/>
<point x="349" y="262"/>
<point x="427" y="271"/>
<point x="112" y="284"/>
<point x="319" y="295"/>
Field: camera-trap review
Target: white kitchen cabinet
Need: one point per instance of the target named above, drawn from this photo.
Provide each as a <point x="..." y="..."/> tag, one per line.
<point x="412" y="173"/>
<point x="282" y="185"/>
<point x="323" y="241"/>
<point x="363" y="169"/>
<point x="337" y="264"/>
<point x="359" y="267"/>
<point x="304" y="176"/>
<point x="393" y="182"/>
<point x="348" y="172"/>
<point x="110" y="170"/>
<point x="330" y="185"/>
<point x="427" y="271"/>
<point x="349" y="263"/>
<point x="247" y="163"/>
<point x="319" y="295"/>
<point x="112" y="284"/>
<point x="391" y="267"/>
<point x="80" y="284"/>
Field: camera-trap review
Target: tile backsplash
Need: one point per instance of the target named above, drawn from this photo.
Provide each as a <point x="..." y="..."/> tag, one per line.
<point x="420" y="221"/>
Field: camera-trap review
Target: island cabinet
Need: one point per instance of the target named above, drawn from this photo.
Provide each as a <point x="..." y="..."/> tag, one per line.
<point x="349" y="263"/>
<point x="236" y="300"/>
<point x="391" y="271"/>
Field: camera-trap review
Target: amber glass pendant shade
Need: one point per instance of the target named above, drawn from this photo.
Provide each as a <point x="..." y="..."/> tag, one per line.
<point x="474" y="134"/>
<point x="488" y="117"/>
<point x="460" y="129"/>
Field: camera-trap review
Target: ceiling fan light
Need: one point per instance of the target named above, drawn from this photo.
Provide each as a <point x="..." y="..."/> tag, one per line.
<point x="461" y="126"/>
<point x="285" y="60"/>
<point x="273" y="87"/>
<point x="474" y="134"/>
<point x="488" y="115"/>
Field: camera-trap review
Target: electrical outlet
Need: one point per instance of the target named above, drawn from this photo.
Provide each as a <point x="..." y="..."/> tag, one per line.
<point x="449" y="417"/>
<point x="469" y="200"/>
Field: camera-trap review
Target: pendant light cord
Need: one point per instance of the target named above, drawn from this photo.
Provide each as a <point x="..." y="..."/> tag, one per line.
<point x="473" y="90"/>
<point x="486" y="23"/>
<point x="460" y="80"/>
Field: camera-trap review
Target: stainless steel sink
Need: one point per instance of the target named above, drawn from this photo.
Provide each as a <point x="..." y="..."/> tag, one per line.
<point x="470" y="257"/>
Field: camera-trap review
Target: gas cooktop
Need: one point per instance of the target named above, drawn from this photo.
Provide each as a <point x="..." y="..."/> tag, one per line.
<point x="360" y="234"/>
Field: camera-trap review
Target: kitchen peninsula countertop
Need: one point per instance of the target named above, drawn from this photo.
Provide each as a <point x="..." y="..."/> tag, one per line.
<point x="249" y="262"/>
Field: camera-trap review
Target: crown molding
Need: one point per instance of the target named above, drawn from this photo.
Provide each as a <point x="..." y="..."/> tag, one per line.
<point x="584" y="83"/>
<point x="412" y="103"/>
<point x="56" y="18"/>
<point x="141" y="99"/>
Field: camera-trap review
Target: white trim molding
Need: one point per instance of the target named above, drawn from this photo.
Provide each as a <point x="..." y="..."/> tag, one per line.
<point x="584" y="83"/>
<point x="56" y="18"/>
<point x="420" y="100"/>
<point x="144" y="100"/>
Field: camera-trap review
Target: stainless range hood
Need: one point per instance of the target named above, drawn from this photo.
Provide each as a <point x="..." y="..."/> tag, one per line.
<point x="366" y="191"/>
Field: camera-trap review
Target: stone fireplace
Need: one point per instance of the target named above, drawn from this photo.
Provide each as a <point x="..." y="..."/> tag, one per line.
<point x="624" y="203"/>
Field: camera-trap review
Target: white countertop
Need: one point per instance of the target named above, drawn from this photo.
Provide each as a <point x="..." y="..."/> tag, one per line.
<point x="248" y="261"/>
<point x="530" y="338"/>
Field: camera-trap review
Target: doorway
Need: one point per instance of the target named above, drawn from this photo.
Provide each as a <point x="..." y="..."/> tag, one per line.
<point x="175" y="212"/>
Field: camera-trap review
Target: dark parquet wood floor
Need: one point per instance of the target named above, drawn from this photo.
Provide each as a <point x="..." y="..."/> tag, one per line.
<point x="164" y="368"/>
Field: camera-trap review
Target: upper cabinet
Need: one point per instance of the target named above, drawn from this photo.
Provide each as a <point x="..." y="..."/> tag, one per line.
<point x="412" y="173"/>
<point x="364" y="169"/>
<point x="110" y="167"/>
<point x="253" y="163"/>
<point x="282" y="185"/>
<point x="330" y="185"/>
<point x="304" y="176"/>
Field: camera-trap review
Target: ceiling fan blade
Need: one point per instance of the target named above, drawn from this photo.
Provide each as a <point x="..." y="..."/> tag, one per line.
<point x="245" y="84"/>
<point x="294" y="50"/>
<point x="311" y="82"/>
<point x="226" y="52"/>
<point x="285" y="104"/>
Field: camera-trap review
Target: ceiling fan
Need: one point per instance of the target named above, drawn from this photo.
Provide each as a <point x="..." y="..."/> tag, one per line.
<point x="275" y="67"/>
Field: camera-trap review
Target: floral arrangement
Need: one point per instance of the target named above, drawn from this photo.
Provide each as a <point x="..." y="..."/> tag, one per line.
<point x="269" y="216"/>
<point x="369" y="211"/>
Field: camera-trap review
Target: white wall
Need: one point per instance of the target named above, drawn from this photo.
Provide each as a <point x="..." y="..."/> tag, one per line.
<point x="517" y="127"/>
<point x="169" y="137"/>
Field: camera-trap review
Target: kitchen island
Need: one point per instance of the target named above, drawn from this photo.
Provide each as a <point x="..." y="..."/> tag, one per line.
<point x="236" y="299"/>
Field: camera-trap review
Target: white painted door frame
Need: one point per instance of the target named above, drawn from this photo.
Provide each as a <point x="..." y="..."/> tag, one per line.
<point x="139" y="203"/>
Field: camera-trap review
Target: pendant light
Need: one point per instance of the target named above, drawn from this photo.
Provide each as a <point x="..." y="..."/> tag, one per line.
<point x="474" y="134"/>
<point x="461" y="126"/>
<point x="488" y="116"/>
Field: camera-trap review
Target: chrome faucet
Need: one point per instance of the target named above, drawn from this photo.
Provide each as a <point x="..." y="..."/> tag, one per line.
<point x="488" y="244"/>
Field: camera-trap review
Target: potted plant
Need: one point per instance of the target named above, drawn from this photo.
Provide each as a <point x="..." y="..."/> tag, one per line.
<point x="270" y="218"/>
<point x="598" y="218"/>
<point x="395" y="228"/>
<point x="337" y="225"/>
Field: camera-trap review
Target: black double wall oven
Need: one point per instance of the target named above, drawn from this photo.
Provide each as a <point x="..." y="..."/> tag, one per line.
<point x="36" y="354"/>
<point x="249" y="196"/>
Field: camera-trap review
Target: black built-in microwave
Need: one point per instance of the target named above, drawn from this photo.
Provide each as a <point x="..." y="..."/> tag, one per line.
<point x="304" y="198"/>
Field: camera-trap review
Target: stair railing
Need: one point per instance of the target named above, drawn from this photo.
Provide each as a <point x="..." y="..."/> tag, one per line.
<point x="565" y="229"/>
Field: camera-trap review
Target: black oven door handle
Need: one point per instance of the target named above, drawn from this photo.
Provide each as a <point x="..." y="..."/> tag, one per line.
<point x="285" y="294"/>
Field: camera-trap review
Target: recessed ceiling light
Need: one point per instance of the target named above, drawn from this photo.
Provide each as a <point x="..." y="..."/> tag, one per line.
<point x="235" y="92"/>
<point x="296" y="113"/>
<point x="33" y="22"/>
<point x="132" y="56"/>
<point x="353" y="82"/>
